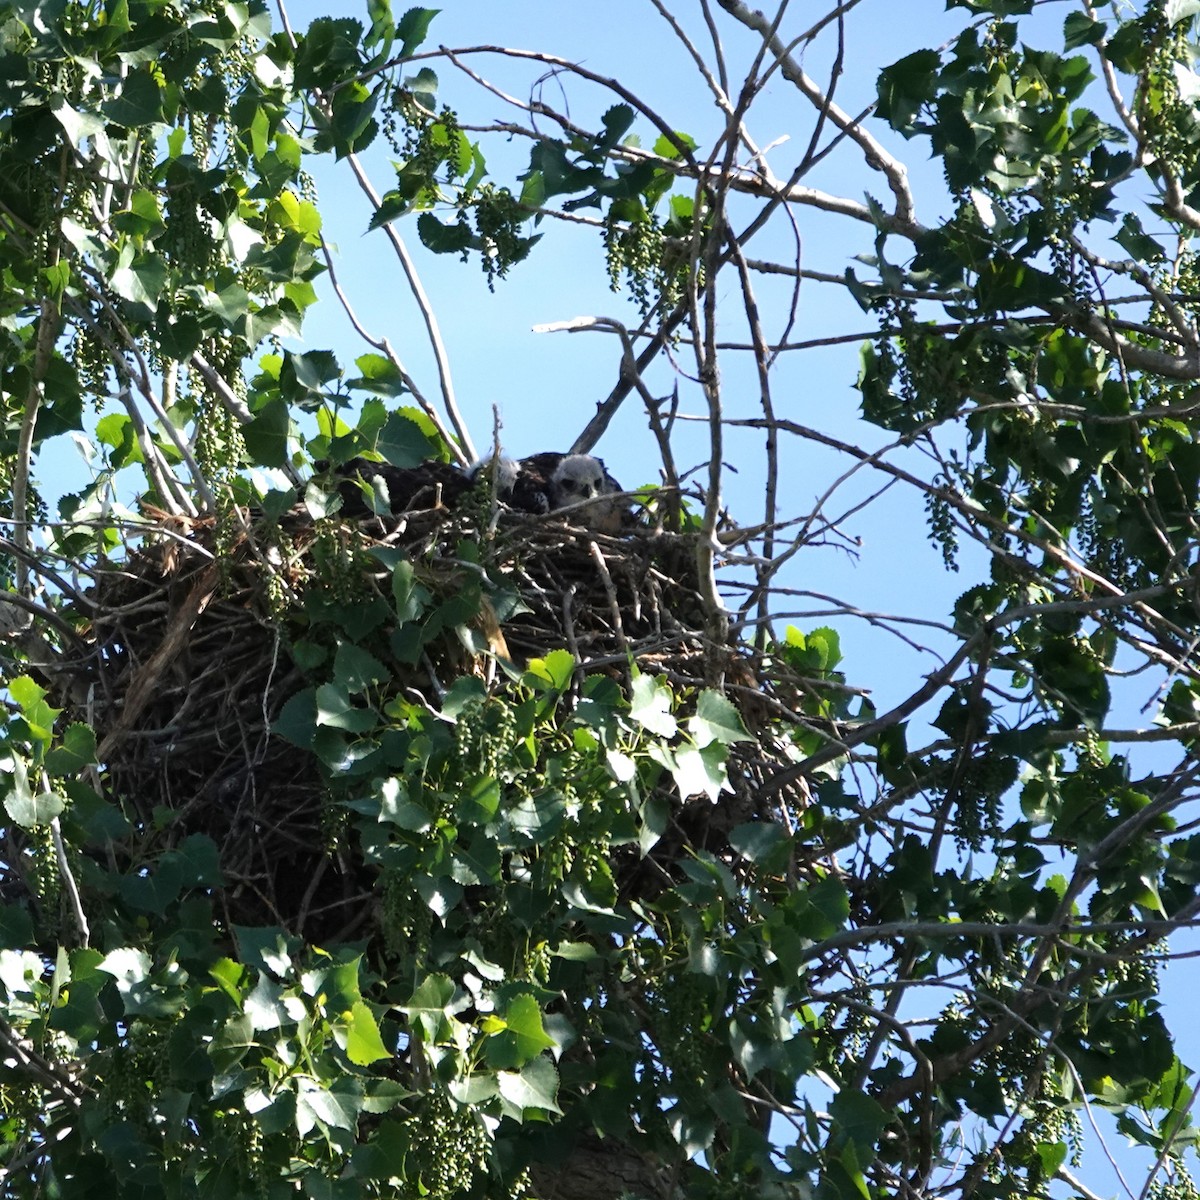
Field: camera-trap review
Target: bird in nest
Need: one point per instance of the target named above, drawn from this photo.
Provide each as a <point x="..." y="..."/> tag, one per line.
<point x="578" y="485"/>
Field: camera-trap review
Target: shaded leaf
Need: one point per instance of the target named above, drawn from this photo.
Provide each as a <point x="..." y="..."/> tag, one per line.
<point x="403" y="443"/>
<point x="76" y="751"/>
<point x="413" y="28"/>
<point x="534" y="1087"/>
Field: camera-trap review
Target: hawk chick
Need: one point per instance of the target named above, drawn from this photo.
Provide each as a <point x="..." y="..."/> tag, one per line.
<point x="551" y="481"/>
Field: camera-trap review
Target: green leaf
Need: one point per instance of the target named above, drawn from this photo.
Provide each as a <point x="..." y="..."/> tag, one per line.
<point x="533" y="1089"/>
<point x="231" y="304"/>
<point x="1051" y="1155"/>
<point x="199" y="861"/>
<point x="758" y="841"/>
<point x="194" y="863"/>
<point x="717" y="720"/>
<point x="128" y="965"/>
<point x="576" y="951"/>
<point x="76" y="751"/>
<point x="141" y="281"/>
<point x="997" y="8"/>
<point x="19" y="798"/>
<point x="383" y="1095"/>
<point x="25" y="692"/>
<point x="1133" y="238"/>
<point x="830" y="898"/>
<point x="1127" y="48"/>
<point x="335" y="1107"/>
<point x="396" y="808"/>
<point x="356" y="670"/>
<point x="651" y="704"/>
<point x="479" y="803"/>
<point x="117" y="430"/>
<point x="335" y="710"/>
<point x="264" y="1006"/>
<point x="424" y="85"/>
<point x="1080" y="30"/>
<point x="229" y="976"/>
<point x="860" y="1119"/>
<point x="266" y="947"/>
<point x="297" y="720"/>
<point x="617" y="121"/>
<point x="463" y="693"/>
<point x="552" y="673"/>
<point x="442" y="238"/>
<point x="380" y="375"/>
<point x="403" y="443"/>
<point x="100" y="819"/>
<point x="392" y="205"/>
<point x="413" y="28"/>
<point x="266" y="434"/>
<point x="363" y="1043"/>
<point x="57" y="276"/>
<point x="21" y="972"/>
<point x="664" y="147"/>
<point x="441" y="894"/>
<point x="906" y="87"/>
<point x="752" y="1049"/>
<point x="522" y="1038"/>
<point x="429" y="1006"/>
<point x="39" y="717"/>
<point x="139" y="101"/>
<point x="16" y="927"/>
<point x="411" y="597"/>
<point x="383" y="30"/>
<point x="28" y="809"/>
<point x="822" y="649"/>
<point x="79" y="126"/>
<point x="847" y="1161"/>
<point x="701" y="771"/>
<point x="693" y="1131"/>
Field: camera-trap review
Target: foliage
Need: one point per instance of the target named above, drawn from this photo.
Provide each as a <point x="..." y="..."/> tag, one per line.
<point x="934" y="935"/>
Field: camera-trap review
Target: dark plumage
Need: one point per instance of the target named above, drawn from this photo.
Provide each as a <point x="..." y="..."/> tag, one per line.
<point x="550" y="481"/>
<point x="542" y="483"/>
<point x="399" y="489"/>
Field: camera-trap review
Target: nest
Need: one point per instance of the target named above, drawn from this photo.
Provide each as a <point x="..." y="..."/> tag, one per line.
<point x="191" y="657"/>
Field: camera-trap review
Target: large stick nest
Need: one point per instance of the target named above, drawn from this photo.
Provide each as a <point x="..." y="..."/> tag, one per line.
<point x="191" y="656"/>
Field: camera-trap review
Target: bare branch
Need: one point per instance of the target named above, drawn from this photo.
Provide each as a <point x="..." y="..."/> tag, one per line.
<point x="457" y="448"/>
<point x="876" y="156"/>
<point x="432" y="327"/>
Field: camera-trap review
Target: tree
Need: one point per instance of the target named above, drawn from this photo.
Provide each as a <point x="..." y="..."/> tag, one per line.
<point x="361" y="844"/>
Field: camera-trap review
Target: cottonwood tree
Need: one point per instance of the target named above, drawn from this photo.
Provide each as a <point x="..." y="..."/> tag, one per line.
<point x="358" y="842"/>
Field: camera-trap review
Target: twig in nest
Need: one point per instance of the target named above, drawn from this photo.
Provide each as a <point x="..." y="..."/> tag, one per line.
<point x="310" y="891"/>
<point x="614" y="608"/>
<point x="196" y="643"/>
<point x="568" y="619"/>
<point x="145" y="685"/>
